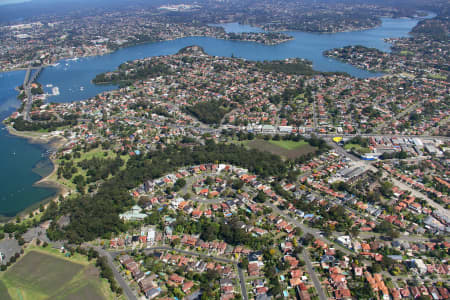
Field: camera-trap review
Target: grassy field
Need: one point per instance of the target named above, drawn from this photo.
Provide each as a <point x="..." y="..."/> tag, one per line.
<point x="286" y="149"/>
<point x="405" y="52"/>
<point x="4" y="292"/>
<point x="357" y="148"/>
<point x="46" y="274"/>
<point x="97" y="152"/>
<point x="437" y="76"/>
<point x="288" y="145"/>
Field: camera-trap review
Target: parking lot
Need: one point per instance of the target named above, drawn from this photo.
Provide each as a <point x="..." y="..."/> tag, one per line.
<point x="9" y="247"/>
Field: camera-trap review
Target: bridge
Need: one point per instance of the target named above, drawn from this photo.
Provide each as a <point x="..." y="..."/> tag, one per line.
<point x="27" y="77"/>
<point x="27" y="88"/>
<point x="35" y="74"/>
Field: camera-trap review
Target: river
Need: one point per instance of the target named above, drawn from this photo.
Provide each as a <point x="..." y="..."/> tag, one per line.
<point x="22" y="163"/>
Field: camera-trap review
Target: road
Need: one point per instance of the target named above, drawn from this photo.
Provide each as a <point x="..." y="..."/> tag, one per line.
<point x="395" y="181"/>
<point x="242" y="284"/>
<point x="207" y="129"/>
<point x="27" y="88"/>
<point x="166" y="248"/>
<point x="314" y="115"/>
<point x="418" y="194"/>
<point x="427" y="137"/>
<point x="306" y="229"/>
<point x="186" y="252"/>
<point x="123" y="284"/>
<point x="28" y="103"/>
<point x="341" y="150"/>
<point x="398" y="116"/>
<point x="312" y="273"/>
<point x="403" y="238"/>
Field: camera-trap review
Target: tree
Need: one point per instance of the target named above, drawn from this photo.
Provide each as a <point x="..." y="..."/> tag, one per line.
<point x="386" y="188"/>
<point x="354" y="231"/>
<point x="112" y="197"/>
<point x="175" y="242"/>
<point x="387" y="228"/>
<point x="308" y="238"/>
<point x="179" y="184"/>
<point x="244" y="263"/>
<point x="260" y="197"/>
<point x="178" y="293"/>
<point x="209" y="180"/>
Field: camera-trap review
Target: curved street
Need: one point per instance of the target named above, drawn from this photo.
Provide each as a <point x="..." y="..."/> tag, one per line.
<point x="126" y="288"/>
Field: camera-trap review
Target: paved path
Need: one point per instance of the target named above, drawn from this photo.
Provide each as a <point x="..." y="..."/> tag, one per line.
<point x="312" y="273"/>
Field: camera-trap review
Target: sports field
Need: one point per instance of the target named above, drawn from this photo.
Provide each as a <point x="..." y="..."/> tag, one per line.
<point x="39" y="275"/>
<point x="286" y="149"/>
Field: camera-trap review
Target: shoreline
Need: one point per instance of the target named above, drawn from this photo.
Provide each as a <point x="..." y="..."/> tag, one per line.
<point x="51" y="143"/>
<point x="110" y="51"/>
<point x="429" y="15"/>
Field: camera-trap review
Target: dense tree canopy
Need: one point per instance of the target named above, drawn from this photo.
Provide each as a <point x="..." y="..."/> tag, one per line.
<point x="98" y="215"/>
<point x="210" y="112"/>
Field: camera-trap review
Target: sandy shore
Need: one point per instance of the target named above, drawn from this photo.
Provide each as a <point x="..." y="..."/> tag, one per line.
<point x="53" y="143"/>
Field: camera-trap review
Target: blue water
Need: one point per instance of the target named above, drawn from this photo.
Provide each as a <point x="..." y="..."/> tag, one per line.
<point x="17" y="156"/>
<point x="73" y="77"/>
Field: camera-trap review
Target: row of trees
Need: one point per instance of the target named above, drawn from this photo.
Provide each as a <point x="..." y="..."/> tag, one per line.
<point x="21" y="125"/>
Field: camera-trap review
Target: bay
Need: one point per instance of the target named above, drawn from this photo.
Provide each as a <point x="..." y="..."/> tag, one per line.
<point x="18" y="158"/>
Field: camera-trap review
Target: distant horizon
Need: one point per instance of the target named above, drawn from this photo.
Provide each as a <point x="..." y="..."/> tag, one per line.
<point x="6" y="2"/>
